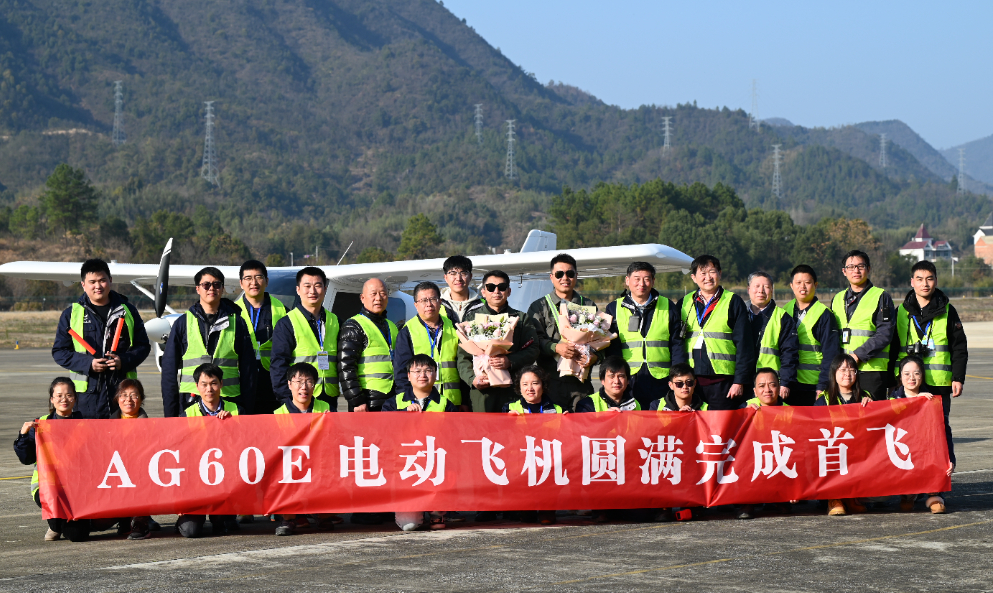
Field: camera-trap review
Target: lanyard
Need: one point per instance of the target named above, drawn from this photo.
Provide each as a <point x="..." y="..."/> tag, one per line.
<point x="711" y="304"/>
<point x="320" y="331"/>
<point x="434" y="336"/>
<point x="924" y="332"/>
<point x="255" y="314"/>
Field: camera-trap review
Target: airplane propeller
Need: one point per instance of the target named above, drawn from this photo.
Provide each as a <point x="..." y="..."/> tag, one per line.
<point x="162" y="282"/>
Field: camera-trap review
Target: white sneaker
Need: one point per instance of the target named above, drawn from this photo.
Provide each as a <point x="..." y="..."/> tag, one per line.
<point x="52" y="536"/>
<point x="411" y="526"/>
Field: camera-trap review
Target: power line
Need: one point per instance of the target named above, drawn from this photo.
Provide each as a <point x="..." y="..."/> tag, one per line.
<point x="882" y="150"/>
<point x="479" y="123"/>
<point x="961" y="179"/>
<point x="753" y="117"/>
<point x="667" y="130"/>
<point x="209" y="169"/>
<point x="509" y="171"/>
<point x="777" y="181"/>
<point x="119" y="136"/>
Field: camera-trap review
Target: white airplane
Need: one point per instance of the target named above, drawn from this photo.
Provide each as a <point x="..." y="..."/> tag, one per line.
<point x="528" y="271"/>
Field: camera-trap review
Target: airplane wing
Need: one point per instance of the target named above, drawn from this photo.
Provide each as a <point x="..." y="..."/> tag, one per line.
<point x="68" y="272"/>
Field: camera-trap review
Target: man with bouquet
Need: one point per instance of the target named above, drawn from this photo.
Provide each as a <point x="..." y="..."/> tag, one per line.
<point x="521" y="353"/>
<point x="543" y="316"/>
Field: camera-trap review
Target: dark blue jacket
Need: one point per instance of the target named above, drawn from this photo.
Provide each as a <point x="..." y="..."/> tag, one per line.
<point x="741" y="335"/>
<point x="284" y="342"/>
<point x="390" y="405"/>
<point x="826" y="332"/>
<point x="545" y="406"/>
<point x="24" y="444"/>
<point x="789" y="342"/>
<point x="98" y="401"/>
<point x="173" y="403"/>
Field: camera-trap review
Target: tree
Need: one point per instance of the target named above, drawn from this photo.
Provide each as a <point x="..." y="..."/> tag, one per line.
<point x="372" y="255"/>
<point x="69" y="200"/>
<point x="25" y="222"/>
<point x="418" y="238"/>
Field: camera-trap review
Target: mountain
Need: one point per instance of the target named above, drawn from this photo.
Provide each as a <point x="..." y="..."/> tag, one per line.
<point x="336" y="120"/>
<point x="978" y="160"/>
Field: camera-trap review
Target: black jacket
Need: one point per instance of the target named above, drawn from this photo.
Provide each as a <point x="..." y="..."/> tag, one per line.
<point x="826" y="332"/>
<point x="390" y="405"/>
<point x="98" y="401"/>
<point x="956" y="335"/>
<point x="173" y="402"/>
<point x="352" y="341"/>
<point x="884" y="317"/>
<point x="741" y="335"/>
<point x="523" y="353"/>
<point x="24" y="444"/>
<point x="543" y="319"/>
<point x="677" y="349"/>
<point x="284" y="342"/>
<point x="788" y="342"/>
<point x="545" y="406"/>
<point x="585" y="404"/>
<point x="668" y="403"/>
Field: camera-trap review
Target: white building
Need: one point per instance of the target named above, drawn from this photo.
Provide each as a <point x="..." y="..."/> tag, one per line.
<point x="923" y="246"/>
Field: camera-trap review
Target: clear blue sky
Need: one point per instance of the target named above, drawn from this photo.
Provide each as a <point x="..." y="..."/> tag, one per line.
<point x="817" y="64"/>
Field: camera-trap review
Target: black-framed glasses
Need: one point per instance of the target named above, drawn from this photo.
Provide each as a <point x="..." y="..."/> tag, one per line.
<point x="502" y="287"/>
<point x="853" y="267"/>
<point x="686" y="383"/>
<point x="216" y="285"/>
<point x="429" y="300"/>
<point x="459" y="273"/>
<point x="567" y="273"/>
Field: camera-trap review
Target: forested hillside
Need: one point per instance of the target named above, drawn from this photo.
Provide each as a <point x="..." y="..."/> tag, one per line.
<point x="339" y="120"/>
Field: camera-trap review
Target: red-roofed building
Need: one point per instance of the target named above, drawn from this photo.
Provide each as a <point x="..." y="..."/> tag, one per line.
<point x="984" y="241"/>
<point x="924" y="246"/>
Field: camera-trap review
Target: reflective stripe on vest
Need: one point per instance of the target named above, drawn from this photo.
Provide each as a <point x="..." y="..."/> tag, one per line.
<point x="35" y="483"/>
<point x="601" y="405"/>
<point x="278" y="311"/>
<point x="224" y="356"/>
<point x="937" y="366"/>
<point x="318" y="407"/>
<point x="861" y="326"/>
<point x="769" y="355"/>
<point x="433" y="406"/>
<point x="716" y="334"/>
<point x="375" y="368"/>
<point x="76" y="318"/>
<point x="194" y="410"/>
<point x="811" y="357"/>
<point x="517" y="406"/>
<point x="444" y="355"/>
<point x="653" y="348"/>
<point x="307" y="347"/>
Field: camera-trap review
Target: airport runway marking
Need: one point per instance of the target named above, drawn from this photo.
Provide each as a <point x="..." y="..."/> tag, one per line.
<point x="16" y="478"/>
<point x="978" y="377"/>
<point x="779" y="553"/>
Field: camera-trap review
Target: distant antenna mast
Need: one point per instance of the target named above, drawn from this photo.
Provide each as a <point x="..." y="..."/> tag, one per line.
<point x="777" y="181"/>
<point x="209" y="169"/>
<point x="509" y="172"/>
<point x="119" y="135"/>
<point x="961" y="179"/>
<point x="882" y="150"/>
<point x="479" y="123"/>
<point x="667" y="130"/>
<point x="753" y="117"/>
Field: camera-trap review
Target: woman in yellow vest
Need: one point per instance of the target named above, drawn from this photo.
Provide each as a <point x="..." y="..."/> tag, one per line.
<point x="61" y="406"/>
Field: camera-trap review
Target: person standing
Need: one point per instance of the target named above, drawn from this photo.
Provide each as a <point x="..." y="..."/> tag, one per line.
<point x="432" y="334"/>
<point x="366" y="351"/>
<point x="543" y="315"/>
<point x="95" y="317"/>
<point x="817" y="337"/>
<point x="647" y="325"/>
<point x="774" y="332"/>
<point x="718" y="338"/>
<point x="261" y="313"/>
<point x="308" y="333"/>
<point x="523" y="352"/>
<point x="929" y="327"/>
<point x="213" y="331"/>
<point x="458" y="298"/>
<point x="865" y="314"/>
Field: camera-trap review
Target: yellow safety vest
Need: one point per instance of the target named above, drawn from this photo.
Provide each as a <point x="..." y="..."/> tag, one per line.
<point x="319" y="407"/>
<point x="811" y="353"/>
<point x="757" y="402"/>
<point x="600" y="404"/>
<point x="938" y="364"/>
<point x="443" y="354"/>
<point x="433" y="406"/>
<point x="517" y="406"/>
<point x="375" y="368"/>
<point x="653" y="348"/>
<point x="716" y="334"/>
<point x="769" y="355"/>
<point x="862" y="328"/>
<point x="307" y="349"/>
<point x="278" y="312"/>
<point x="225" y="356"/>
<point x="76" y="317"/>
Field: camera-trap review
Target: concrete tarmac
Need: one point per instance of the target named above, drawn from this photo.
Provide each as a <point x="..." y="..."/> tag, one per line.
<point x="884" y="550"/>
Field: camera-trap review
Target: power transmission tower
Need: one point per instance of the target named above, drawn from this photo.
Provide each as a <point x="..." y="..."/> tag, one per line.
<point x="479" y="123"/>
<point x="777" y="181"/>
<point x="209" y="169"/>
<point x="753" y="117"/>
<point x="119" y="135"/>
<point x="882" y="150"/>
<point x="667" y="130"/>
<point x="961" y="179"/>
<point x="508" y="171"/>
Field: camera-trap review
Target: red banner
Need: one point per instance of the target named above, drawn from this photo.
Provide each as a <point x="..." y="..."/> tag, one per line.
<point x="405" y="461"/>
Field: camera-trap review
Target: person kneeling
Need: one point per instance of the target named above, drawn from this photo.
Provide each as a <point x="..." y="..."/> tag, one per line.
<point x="420" y="396"/>
<point x="766" y="394"/>
<point x="682" y="396"/>
<point x="208" y="378"/>
<point x="614" y="396"/>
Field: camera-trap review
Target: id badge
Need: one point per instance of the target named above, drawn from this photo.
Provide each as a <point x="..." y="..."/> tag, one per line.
<point x="846" y="336"/>
<point x="930" y="345"/>
<point x="634" y="324"/>
<point x="323" y="362"/>
<point x="698" y="344"/>
<point x="258" y="354"/>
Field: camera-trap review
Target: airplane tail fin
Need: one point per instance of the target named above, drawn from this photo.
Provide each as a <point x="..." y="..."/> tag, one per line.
<point x="526" y="292"/>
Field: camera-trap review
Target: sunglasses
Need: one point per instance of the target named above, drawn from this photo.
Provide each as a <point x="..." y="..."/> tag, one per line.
<point x="686" y="383"/>
<point x="567" y="273"/>
<point x="216" y="285"/>
<point x="502" y="287"/>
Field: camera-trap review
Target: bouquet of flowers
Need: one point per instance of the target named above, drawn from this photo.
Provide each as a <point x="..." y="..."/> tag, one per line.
<point x="589" y="330"/>
<point x="486" y="336"/>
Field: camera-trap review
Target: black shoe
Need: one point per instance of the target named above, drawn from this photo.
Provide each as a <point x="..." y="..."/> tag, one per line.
<point x="454" y="517"/>
<point x="153" y="525"/>
<point x="664" y="516"/>
<point x="367" y="519"/>
<point x="286" y="528"/>
<point x="231" y="523"/>
<point x="599" y="517"/>
<point x="217" y="526"/>
<point x="245" y="519"/>
<point x="485" y="516"/>
<point x="139" y="529"/>
<point x="747" y="512"/>
<point x="123" y="527"/>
